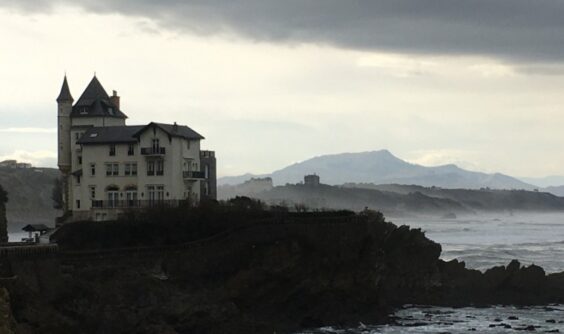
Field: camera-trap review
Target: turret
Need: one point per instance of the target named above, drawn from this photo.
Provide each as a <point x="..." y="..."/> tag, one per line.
<point x="64" y="109"/>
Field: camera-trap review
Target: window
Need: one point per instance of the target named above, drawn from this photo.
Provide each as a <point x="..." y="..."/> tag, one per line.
<point x="160" y="167"/>
<point x="92" y="192"/>
<point x="112" y="150"/>
<point x="160" y="193"/>
<point x="78" y="180"/>
<point x="93" y="169"/>
<point x="131" y="197"/>
<point x="150" y="168"/>
<point x="130" y="169"/>
<point x="156" y="145"/>
<point x="112" y="198"/>
<point x="131" y="149"/>
<point x="112" y="169"/>
<point x="80" y="159"/>
<point x="78" y="204"/>
<point x="188" y="144"/>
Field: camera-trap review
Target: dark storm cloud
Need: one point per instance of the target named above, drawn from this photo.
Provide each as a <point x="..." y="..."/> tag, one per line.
<point x="521" y="30"/>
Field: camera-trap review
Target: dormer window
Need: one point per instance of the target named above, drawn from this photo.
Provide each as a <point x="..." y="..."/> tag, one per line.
<point x="110" y="111"/>
<point x="84" y="111"/>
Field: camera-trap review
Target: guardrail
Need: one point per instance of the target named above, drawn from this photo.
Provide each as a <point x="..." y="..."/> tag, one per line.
<point x="194" y="175"/>
<point x="153" y="151"/>
<point x="125" y="204"/>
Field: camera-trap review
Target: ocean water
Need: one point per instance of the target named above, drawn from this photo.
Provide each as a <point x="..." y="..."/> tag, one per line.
<point x="499" y="319"/>
<point x="482" y="242"/>
<point x="492" y="240"/>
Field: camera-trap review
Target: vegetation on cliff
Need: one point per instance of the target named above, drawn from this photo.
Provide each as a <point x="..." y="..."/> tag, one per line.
<point x="3" y="219"/>
<point x="175" y="225"/>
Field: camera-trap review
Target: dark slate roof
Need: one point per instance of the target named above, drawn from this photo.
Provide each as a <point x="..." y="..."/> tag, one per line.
<point x="35" y="228"/>
<point x="65" y="95"/>
<point x="94" y="101"/>
<point x="173" y="130"/>
<point x="110" y="135"/>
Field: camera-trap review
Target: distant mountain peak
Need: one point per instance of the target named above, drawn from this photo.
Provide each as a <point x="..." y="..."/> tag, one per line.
<point x="383" y="167"/>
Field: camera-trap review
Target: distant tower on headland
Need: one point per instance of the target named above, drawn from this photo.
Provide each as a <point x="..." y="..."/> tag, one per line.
<point x="311" y="180"/>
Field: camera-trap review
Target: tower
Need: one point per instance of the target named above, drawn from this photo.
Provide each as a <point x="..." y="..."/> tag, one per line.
<point x="64" y="109"/>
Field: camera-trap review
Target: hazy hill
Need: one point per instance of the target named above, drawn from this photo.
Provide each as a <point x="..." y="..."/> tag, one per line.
<point x="479" y="200"/>
<point x="29" y="196"/>
<point x="336" y="197"/>
<point x="382" y="167"/>
<point x="545" y="182"/>
<point x="559" y="191"/>
<point x="397" y="199"/>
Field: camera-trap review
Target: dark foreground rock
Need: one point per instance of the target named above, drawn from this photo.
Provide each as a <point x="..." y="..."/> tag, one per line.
<point x="278" y="276"/>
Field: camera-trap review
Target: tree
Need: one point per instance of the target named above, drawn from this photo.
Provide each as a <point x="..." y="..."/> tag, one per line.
<point x="3" y="196"/>
<point x="3" y="220"/>
<point x="57" y="193"/>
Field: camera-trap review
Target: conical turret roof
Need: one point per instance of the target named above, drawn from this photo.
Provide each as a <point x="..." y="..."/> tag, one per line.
<point x="65" y="95"/>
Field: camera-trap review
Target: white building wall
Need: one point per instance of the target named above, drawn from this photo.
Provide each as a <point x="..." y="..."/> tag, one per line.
<point x="179" y="157"/>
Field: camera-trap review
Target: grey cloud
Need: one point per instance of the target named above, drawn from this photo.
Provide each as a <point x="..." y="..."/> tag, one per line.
<point x="519" y="30"/>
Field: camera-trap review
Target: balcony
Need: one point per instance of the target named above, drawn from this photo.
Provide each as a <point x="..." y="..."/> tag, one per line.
<point x="193" y="175"/>
<point x="135" y="204"/>
<point x="153" y="151"/>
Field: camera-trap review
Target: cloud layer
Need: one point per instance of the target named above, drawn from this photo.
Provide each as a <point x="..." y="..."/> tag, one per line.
<point x="519" y="30"/>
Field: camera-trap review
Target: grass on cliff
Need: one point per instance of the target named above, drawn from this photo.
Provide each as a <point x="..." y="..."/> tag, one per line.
<point x="170" y="226"/>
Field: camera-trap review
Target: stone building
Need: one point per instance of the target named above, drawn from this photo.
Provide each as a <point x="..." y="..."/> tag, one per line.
<point x="311" y="180"/>
<point x="108" y="166"/>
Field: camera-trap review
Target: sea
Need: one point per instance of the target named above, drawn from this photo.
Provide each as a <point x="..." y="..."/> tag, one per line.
<point x="483" y="241"/>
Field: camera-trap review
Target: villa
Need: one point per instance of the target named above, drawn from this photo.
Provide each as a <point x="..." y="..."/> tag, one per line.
<point x="109" y="167"/>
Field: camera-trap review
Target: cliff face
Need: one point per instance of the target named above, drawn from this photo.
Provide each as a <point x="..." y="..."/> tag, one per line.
<point x="3" y="223"/>
<point x="276" y="276"/>
<point x="279" y="276"/>
<point x="7" y="322"/>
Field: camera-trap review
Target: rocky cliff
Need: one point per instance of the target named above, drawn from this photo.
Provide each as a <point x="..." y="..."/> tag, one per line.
<point x="278" y="274"/>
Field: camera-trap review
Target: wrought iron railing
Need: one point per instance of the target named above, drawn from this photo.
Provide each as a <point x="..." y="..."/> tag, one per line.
<point x="193" y="175"/>
<point x="125" y="204"/>
<point x="153" y="151"/>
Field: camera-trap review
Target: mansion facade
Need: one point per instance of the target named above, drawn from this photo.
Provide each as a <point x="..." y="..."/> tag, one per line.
<point x="109" y="167"/>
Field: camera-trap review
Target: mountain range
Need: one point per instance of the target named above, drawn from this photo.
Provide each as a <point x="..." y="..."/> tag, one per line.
<point x="382" y="167"/>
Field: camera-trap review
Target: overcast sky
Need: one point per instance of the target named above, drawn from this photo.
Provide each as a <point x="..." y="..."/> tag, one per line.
<point x="269" y="83"/>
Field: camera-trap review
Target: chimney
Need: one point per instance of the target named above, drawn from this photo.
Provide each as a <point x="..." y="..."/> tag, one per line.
<point x="115" y="100"/>
<point x="175" y="127"/>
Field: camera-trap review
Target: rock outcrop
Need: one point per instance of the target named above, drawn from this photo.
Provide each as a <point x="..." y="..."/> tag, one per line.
<point x="279" y="276"/>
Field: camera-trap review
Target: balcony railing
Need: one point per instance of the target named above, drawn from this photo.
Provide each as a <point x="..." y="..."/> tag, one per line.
<point x="133" y="204"/>
<point x="153" y="151"/>
<point x="193" y="175"/>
